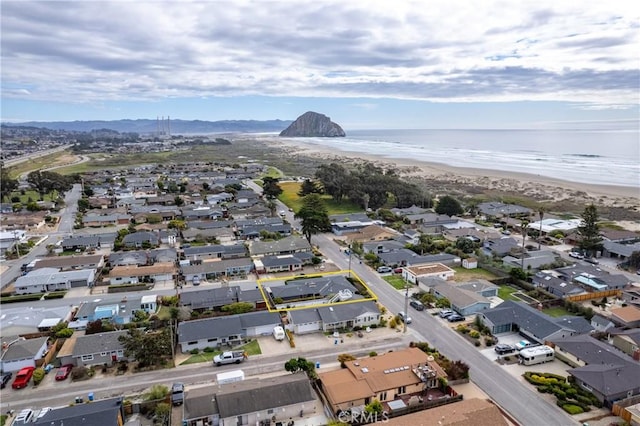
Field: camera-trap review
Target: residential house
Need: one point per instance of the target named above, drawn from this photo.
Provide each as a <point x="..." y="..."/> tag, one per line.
<point x="404" y="257"/>
<point x="246" y="211"/>
<point x="469" y="412"/>
<point x="287" y="245"/>
<point x="50" y="279"/>
<point x="370" y="233"/>
<point x="254" y="232"/>
<point x="247" y="196"/>
<point x="621" y="250"/>
<point x="552" y="282"/>
<point x="378" y="247"/>
<point x="592" y="277"/>
<point x="222" y="235"/>
<point x="385" y="378"/>
<point x="628" y="341"/>
<point x="215" y="251"/>
<point x="609" y="382"/>
<point x="631" y="295"/>
<point x="329" y="318"/>
<point x="159" y="273"/>
<point x="201" y="212"/>
<point x="499" y="210"/>
<point x="130" y="258"/>
<point x="18" y="352"/>
<point x="210" y="332"/>
<point x="534" y="325"/>
<point x="601" y="323"/>
<point x="250" y="402"/>
<point x="86" y="242"/>
<point x="141" y="239"/>
<point x="411" y="274"/>
<point x="97" y="221"/>
<point x="216" y="270"/>
<point x="162" y="255"/>
<point x="168" y="236"/>
<point x="104" y="412"/>
<point x="324" y="287"/>
<point x="216" y="298"/>
<point x="141" y="212"/>
<point x="71" y="263"/>
<point x="350" y="222"/>
<point x="24" y="221"/>
<point x="466" y="299"/>
<point x="550" y="226"/>
<point x="629" y="316"/>
<point x="119" y="311"/>
<point x="99" y="349"/>
<point x="499" y="247"/>
<point x="532" y="259"/>
<point x="284" y="263"/>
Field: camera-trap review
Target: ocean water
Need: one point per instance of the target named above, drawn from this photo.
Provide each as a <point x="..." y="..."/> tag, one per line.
<point x="606" y="157"/>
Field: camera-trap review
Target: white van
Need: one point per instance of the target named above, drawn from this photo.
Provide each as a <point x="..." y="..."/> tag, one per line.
<point x="278" y="333"/>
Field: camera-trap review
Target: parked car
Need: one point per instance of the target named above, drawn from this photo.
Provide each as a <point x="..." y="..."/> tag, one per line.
<point x="22" y="378"/>
<point x="522" y="344"/>
<point x="576" y="255"/>
<point x="397" y="270"/>
<point x="503" y="349"/>
<point x="177" y="394"/>
<point x="591" y="260"/>
<point x="6" y="377"/>
<point x="455" y="318"/>
<point x="417" y="305"/>
<point x="404" y="317"/>
<point x="63" y="372"/>
<point x="445" y="313"/>
<point x="384" y="269"/>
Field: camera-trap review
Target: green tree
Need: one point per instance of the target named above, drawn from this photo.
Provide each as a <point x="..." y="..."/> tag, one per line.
<point x="313" y="216"/>
<point x="7" y="184"/>
<point x="589" y="231"/>
<point x="309" y="187"/>
<point x="465" y="244"/>
<point x="178" y="201"/>
<point x="449" y="206"/>
<point x="238" y="308"/>
<point x="270" y="188"/>
<point x="335" y="180"/>
<point x="148" y="349"/>
<point x="292" y="366"/>
<point x="163" y="413"/>
<point x="156" y="392"/>
<point x="374" y="407"/>
<point x="343" y="358"/>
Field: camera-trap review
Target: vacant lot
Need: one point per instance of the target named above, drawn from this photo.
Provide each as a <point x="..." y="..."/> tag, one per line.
<point x="463" y="274"/>
<point x="291" y="198"/>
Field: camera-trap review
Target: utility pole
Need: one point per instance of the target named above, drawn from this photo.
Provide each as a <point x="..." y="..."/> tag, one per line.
<point x="406" y="304"/>
<point x="349" y="260"/>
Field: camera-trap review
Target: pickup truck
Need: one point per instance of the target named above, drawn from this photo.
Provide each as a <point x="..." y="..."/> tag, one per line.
<point x="229" y="358"/>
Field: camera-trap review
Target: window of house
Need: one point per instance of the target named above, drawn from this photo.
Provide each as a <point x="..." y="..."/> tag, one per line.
<point x="270" y="411"/>
<point x="87" y="357"/>
<point x="103" y="354"/>
<point x="383" y="396"/>
<point x="402" y="389"/>
<point x="195" y="342"/>
<point x="215" y="339"/>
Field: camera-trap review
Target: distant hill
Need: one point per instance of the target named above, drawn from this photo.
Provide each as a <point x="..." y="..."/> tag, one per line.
<point x="312" y="124"/>
<point x="145" y="126"/>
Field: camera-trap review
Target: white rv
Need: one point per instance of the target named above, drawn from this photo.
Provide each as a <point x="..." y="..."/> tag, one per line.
<point x="536" y="355"/>
<point x="278" y="333"/>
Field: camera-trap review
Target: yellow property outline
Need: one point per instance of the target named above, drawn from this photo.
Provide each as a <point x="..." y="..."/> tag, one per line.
<point x="345" y="273"/>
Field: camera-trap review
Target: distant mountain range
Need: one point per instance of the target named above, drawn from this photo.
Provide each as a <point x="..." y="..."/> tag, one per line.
<point x="145" y="126"/>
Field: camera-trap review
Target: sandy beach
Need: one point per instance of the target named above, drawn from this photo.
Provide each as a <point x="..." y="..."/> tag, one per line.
<point x="540" y="188"/>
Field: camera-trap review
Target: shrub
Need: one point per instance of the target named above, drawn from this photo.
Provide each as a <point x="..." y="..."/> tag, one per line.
<point x="477" y="343"/>
<point x="194" y="351"/>
<point x="474" y="334"/>
<point x="572" y="409"/>
<point x="38" y="375"/>
<point x="462" y="329"/>
<point x="208" y="350"/>
<point x="79" y="373"/>
<point x="373" y="353"/>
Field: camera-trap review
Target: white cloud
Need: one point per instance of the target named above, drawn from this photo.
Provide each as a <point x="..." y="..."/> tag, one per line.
<point x="441" y="51"/>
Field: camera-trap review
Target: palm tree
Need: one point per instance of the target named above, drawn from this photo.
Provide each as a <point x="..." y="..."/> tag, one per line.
<point x="541" y="213"/>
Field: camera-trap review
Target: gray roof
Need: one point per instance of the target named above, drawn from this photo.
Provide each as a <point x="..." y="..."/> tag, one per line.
<point x="97" y="343"/>
<point x="322" y="286"/>
<point x="591" y="351"/>
<point x="207" y="328"/>
<point x="129" y="258"/>
<point x="101" y="412"/>
<point x="610" y="379"/>
<point x="260" y="318"/>
<point x="44" y="276"/>
<point x="215" y="248"/>
<point x="140" y="237"/>
<point x="347" y="311"/>
<point x="460" y="297"/>
<point x="303" y="316"/>
<point x="209" y="224"/>
<point x="261" y="221"/>
<point x="23" y="348"/>
<point x="68" y="261"/>
<point x="500" y="209"/>
<point x="211" y="297"/>
<point x="349" y="217"/>
<point x="292" y="259"/>
<point x="286" y="245"/>
<point x="535" y="322"/>
<point x="245" y="397"/>
<point x="89" y="240"/>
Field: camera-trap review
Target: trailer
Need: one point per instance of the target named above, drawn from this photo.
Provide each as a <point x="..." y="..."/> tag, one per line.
<point x="278" y="333"/>
<point x="536" y="355"/>
<point x="230" y="377"/>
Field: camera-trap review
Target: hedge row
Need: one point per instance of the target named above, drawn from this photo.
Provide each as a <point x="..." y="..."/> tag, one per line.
<point x="21" y="298"/>
<point x="55" y="295"/>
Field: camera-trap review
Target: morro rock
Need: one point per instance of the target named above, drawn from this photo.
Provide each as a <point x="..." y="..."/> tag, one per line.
<point x="313" y="125"/>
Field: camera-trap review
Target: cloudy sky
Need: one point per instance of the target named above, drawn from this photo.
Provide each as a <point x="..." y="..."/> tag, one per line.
<point x="366" y="64"/>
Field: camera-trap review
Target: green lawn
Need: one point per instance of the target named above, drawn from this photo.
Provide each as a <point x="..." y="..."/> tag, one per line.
<point x="463" y="274"/>
<point x="505" y="291"/>
<point x="556" y="311"/>
<point x="252" y="348"/>
<point x="396" y="281"/>
<point x="290" y="197"/>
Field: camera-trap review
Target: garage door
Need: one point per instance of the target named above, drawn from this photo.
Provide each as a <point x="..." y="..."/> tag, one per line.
<point x="306" y="328"/>
<point x="262" y="330"/>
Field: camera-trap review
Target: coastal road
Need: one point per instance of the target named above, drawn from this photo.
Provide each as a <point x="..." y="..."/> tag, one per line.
<point x="515" y="397"/>
<point x="31" y="156"/>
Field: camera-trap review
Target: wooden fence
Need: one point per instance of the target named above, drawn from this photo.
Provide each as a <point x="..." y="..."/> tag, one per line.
<point x="594" y="295"/>
<point x="619" y="407"/>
